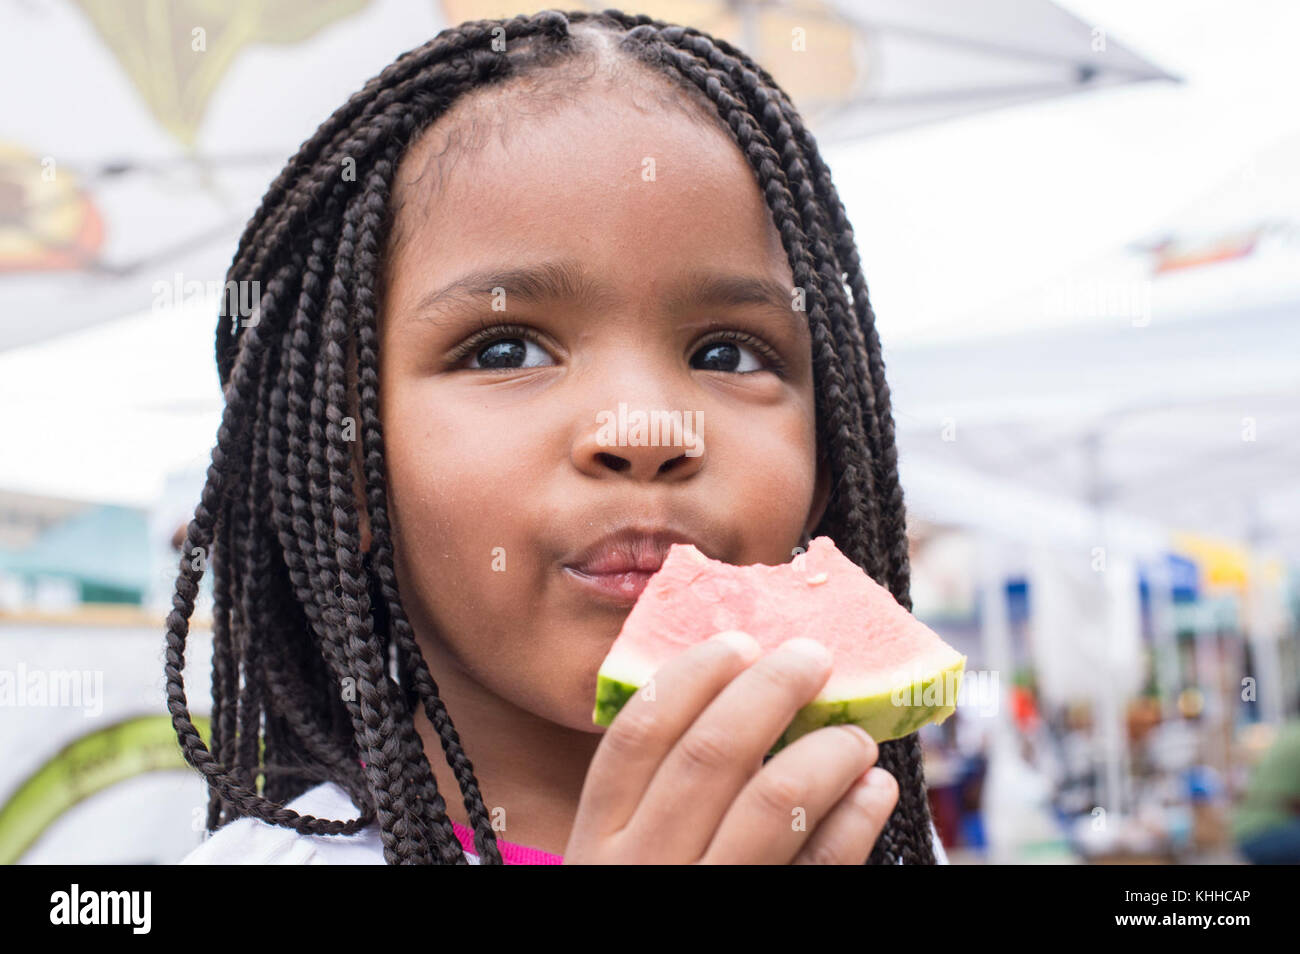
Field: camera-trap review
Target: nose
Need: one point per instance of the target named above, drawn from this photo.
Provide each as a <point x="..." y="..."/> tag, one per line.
<point x="642" y="443"/>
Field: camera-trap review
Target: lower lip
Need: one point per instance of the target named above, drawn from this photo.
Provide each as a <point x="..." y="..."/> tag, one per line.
<point x="621" y="588"/>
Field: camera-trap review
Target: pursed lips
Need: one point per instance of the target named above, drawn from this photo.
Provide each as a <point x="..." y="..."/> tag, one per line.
<point x="619" y="565"/>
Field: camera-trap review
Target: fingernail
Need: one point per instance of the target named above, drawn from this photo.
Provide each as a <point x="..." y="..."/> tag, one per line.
<point x="854" y="727"/>
<point x="810" y="649"/>
<point x="878" y="778"/>
<point x="742" y="642"/>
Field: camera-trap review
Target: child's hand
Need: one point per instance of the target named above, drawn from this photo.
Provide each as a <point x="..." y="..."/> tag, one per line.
<point x="672" y="783"/>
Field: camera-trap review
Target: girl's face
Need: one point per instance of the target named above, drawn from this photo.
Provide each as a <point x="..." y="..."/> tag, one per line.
<point x="594" y="225"/>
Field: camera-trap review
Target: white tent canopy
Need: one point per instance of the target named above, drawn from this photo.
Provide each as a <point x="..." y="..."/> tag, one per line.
<point x="1171" y="398"/>
<point x="1186" y="424"/>
<point x="933" y="60"/>
<point x="129" y="170"/>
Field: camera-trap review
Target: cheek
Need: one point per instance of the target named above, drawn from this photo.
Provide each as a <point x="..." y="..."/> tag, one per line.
<point x="769" y="465"/>
<point x="457" y="486"/>
<point x="463" y="491"/>
<point x="457" y="455"/>
<point x="780" y="500"/>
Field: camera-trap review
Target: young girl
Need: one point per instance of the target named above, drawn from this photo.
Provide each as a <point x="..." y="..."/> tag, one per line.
<point x="517" y="231"/>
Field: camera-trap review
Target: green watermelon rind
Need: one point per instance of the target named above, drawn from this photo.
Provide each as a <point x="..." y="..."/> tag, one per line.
<point x="878" y="714"/>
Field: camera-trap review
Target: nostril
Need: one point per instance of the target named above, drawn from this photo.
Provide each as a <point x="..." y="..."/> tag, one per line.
<point x="612" y="461"/>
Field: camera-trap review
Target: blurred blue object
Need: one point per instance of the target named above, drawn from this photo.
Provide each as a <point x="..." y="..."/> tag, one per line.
<point x="1203" y="783"/>
<point x="1182" y="574"/>
<point x="1017" y="600"/>
<point x="972" y="831"/>
<point x="1279" y="845"/>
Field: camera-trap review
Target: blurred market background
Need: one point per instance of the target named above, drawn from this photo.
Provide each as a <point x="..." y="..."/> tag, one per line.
<point x="1080" y="223"/>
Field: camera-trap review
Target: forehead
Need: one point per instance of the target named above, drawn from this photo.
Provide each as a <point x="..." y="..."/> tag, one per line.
<point x="614" y="174"/>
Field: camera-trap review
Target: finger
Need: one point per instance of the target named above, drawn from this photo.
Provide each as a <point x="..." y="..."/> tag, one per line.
<point x="651" y="722"/>
<point x="715" y="758"/>
<point x="847" y="835"/>
<point x="774" y="815"/>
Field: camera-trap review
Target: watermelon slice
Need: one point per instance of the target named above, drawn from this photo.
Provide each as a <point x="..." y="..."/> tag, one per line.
<point x="890" y="674"/>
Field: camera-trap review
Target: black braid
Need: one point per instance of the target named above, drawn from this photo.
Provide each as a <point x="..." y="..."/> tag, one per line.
<point x="412" y="666"/>
<point x="300" y="613"/>
<point x="222" y="720"/>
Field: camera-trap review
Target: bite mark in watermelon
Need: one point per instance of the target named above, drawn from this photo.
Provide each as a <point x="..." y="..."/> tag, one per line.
<point x="890" y="673"/>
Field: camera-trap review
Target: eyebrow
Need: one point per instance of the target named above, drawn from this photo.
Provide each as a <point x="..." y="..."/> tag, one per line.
<point x="546" y="281"/>
<point x="568" y="281"/>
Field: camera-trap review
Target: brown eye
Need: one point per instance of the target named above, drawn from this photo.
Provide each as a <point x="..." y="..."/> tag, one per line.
<point x="504" y="348"/>
<point x="736" y="353"/>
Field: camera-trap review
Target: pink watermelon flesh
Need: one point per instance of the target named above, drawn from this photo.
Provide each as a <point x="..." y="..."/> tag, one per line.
<point x="890" y="673"/>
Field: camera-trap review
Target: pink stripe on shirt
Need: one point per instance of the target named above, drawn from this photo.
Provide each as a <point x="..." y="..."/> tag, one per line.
<point x="511" y="854"/>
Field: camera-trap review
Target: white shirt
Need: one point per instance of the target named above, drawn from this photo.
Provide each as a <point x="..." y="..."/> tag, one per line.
<point x="251" y="841"/>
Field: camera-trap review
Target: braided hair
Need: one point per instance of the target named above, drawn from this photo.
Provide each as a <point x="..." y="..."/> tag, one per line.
<point x="316" y="671"/>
